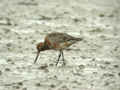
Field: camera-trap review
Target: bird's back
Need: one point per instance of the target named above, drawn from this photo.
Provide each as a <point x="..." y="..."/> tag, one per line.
<point x="60" y="40"/>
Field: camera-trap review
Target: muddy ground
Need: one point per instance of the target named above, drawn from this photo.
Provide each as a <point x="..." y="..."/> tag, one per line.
<point x="92" y="64"/>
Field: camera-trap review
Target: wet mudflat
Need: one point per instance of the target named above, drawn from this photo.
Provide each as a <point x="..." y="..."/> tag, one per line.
<point x="92" y="64"/>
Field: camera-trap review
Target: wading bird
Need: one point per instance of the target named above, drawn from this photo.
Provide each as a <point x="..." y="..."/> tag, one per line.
<point x="56" y="41"/>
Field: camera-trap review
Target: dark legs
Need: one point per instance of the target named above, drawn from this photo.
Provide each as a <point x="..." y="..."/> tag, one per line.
<point x="63" y="58"/>
<point x="58" y="58"/>
<point x="61" y="53"/>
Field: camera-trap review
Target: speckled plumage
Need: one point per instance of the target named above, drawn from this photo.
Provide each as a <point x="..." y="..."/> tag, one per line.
<point x="60" y="40"/>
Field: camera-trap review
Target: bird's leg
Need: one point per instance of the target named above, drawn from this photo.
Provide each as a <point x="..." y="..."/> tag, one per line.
<point x="58" y="57"/>
<point x="63" y="57"/>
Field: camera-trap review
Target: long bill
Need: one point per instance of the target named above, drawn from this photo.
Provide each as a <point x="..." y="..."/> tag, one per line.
<point x="37" y="56"/>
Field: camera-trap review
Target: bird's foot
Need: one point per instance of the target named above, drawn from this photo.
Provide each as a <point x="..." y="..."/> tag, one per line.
<point x="64" y="63"/>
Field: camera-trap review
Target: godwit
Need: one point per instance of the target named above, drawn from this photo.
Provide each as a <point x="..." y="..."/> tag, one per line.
<point x="56" y="41"/>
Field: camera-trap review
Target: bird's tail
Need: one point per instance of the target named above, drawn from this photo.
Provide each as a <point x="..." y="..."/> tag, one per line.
<point x="79" y="39"/>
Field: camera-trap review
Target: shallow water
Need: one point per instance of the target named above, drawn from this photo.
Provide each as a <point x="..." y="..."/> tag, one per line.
<point x="92" y="64"/>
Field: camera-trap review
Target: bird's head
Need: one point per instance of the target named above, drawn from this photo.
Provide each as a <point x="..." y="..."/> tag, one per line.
<point x="40" y="47"/>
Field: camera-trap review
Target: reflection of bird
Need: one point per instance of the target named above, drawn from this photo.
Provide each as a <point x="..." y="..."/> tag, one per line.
<point x="56" y="41"/>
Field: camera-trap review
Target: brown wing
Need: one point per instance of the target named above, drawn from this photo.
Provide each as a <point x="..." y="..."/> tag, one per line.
<point x="59" y="40"/>
<point x="59" y="37"/>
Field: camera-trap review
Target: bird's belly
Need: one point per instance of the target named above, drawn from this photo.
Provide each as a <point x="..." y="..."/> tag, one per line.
<point x="62" y="45"/>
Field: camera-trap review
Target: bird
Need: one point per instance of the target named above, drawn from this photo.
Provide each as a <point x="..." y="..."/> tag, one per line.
<point x="56" y="41"/>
